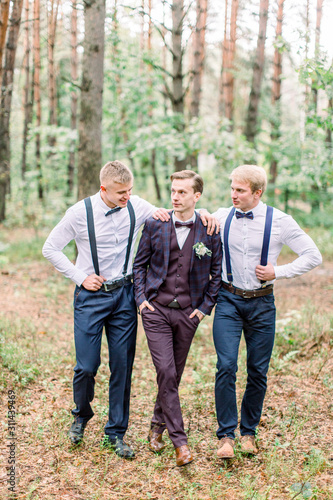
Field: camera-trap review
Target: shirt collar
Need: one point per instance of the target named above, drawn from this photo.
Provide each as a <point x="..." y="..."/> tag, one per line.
<point x="174" y="218"/>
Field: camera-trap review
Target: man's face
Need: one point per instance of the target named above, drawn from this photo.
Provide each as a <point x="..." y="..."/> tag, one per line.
<point x="183" y="197"/>
<point x="116" y="194"/>
<point x="242" y="196"/>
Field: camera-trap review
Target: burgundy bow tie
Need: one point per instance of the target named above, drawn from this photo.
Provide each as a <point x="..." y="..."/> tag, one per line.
<point x="184" y="224"/>
<point x="240" y="215"/>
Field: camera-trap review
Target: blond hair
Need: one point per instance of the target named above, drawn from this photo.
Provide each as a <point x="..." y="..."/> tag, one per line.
<point x="115" y="171"/>
<point x="189" y="174"/>
<point x="250" y="174"/>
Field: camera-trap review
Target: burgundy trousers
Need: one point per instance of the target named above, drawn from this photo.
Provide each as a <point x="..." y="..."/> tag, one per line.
<point x="169" y="333"/>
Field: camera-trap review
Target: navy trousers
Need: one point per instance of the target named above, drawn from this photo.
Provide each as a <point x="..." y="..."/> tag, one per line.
<point x="256" y="318"/>
<point x="116" y="311"/>
<point x="169" y="333"/>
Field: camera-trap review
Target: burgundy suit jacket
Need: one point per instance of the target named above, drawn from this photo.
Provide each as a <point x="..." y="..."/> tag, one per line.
<point x="152" y="259"/>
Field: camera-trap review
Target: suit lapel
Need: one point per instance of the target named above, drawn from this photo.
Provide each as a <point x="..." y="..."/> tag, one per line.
<point x="166" y="238"/>
<point x="197" y="234"/>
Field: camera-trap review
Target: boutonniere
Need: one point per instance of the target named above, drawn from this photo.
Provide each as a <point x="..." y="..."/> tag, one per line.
<point x="201" y="250"/>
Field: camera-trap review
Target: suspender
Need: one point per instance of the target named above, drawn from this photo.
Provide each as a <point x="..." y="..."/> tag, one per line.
<point x="92" y="237"/>
<point x="267" y="236"/>
<point x="226" y="243"/>
<point x="130" y="237"/>
<point x="265" y="245"/>
<point x="91" y="232"/>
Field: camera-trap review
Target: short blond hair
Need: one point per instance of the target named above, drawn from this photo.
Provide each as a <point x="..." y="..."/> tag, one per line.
<point x="115" y="171"/>
<point x="251" y="174"/>
<point x="189" y="174"/>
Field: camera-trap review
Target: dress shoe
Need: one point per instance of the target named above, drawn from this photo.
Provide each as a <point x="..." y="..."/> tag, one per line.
<point x="120" y="448"/>
<point x="248" y="445"/>
<point x="76" y="431"/>
<point x="226" y="449"/>
<point x="183" y="455"/>
<point x="156" y="444"/>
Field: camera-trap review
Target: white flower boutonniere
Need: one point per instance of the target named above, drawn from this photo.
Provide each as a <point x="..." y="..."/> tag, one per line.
<point x="201" y="250"/>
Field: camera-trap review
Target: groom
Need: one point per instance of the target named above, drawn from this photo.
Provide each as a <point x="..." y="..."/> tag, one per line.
<point x="177" y="275"/>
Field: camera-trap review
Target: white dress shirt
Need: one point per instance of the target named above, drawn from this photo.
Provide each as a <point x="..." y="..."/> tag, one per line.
<point x="245" y="245"/>
<point x="182" y="232"/>
<point x="111" y="238"/>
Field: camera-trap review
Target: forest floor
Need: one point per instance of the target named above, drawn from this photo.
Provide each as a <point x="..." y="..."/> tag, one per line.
<point x="295" y="433"/>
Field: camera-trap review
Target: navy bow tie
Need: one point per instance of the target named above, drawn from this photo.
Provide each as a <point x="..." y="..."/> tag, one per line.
<point x="112" y="211"/>
<point x="184" y="224"/>
<point x="240" y="215"/>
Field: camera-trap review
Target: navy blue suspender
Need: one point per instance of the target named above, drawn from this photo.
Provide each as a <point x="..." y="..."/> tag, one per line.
<point x="92" y="237"/>
<point x="226" y="243"/>
<point x="265" y="245"/>
<point x="91" y="233"/>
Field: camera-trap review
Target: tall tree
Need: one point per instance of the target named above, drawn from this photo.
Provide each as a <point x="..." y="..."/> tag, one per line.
<point x="199" y="46"/>
<point x="74" y="77"/>
<point x="4" y="15"/>
<point x="276" y="87"/>
<point x="150" y="110"/>
<point x="177" y="95"/>
<point x="37" y="96"/>
<point x="52" y="27"/>
<point x="6" y="103"/>
<point x="228" y="56"/>
<point x="258" y="68"/>
<point x="314" y="88"/>
<point x="27" y="97"/>
<point x="90" y="123"/>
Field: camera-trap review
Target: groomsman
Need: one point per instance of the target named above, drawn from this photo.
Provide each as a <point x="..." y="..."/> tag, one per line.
<point x="253" y="235"/>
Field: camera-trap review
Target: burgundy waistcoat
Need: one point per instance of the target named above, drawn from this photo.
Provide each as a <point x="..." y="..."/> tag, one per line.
<point x="177" y="283"/>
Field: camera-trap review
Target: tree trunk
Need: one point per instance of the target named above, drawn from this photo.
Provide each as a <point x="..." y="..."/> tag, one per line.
<point x="198" y="56"/>
<point x="52" y="26"/>
<point x="74" y="76"/>
<point x="37" y="96"/>
<point x="4" y="14"/>
<point x="227" y="76"/>
<point x="252" y="115"/>
<point x="150" y="110"/>
<point x="27" y="100"/>
<point x="6" y="102"/>
<point x="177" y="97"/>
<point x="317" y="51"/>
<point x="90" y="126"/>
<point x="276" y="89"/>
<point x="198" y="65"/>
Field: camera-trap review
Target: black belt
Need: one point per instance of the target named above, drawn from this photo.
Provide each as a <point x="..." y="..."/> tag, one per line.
<point x="248" y="294"/>
<point x="118" y="283"/>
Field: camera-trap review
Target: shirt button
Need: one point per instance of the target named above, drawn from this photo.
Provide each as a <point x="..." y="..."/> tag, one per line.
<point x="178" y="275"/>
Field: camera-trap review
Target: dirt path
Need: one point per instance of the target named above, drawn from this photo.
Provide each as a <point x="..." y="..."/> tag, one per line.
<point x="49" y="469"/>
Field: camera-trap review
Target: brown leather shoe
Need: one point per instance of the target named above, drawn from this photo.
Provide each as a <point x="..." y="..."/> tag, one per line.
<point x="183" y="455"/>
<point x="156" y="444"/>
<point x="248" y="445"/>
<point x="226" y="449"/>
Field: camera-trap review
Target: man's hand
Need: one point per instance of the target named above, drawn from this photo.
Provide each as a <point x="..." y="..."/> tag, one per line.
<point x="196" y="312"/>
<point x="161" y="214"/>
<point x="265" y="273"/>
<point x="93" y="282"/>
<point x="144" y="304"/>
<point x="209" y="221"/>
